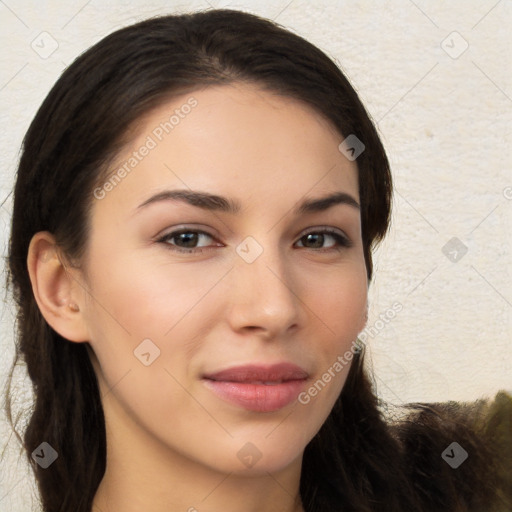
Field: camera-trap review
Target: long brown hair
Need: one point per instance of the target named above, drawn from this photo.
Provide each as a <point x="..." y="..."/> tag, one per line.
<point x="356" y="461"/>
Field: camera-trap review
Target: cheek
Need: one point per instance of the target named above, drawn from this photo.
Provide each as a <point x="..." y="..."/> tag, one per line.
<point x="151" y="312"/>
<point x="133" y="300"/>
<point x="149" y="298"/>
<point x="339" y="299"/>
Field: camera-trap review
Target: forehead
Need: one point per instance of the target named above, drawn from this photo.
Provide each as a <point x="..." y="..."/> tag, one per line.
<point x="235" y="139"/>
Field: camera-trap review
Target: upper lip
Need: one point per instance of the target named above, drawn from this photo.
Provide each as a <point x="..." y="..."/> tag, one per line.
<point x="256" y="373"/>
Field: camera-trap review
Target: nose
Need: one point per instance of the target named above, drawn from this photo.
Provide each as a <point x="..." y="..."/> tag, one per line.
<point x="264" y="294"/>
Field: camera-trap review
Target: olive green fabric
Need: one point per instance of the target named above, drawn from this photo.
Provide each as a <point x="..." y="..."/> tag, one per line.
<point x="433" y="437"/>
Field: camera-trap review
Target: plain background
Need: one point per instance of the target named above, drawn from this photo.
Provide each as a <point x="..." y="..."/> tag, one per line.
<point x="436" y="78"/>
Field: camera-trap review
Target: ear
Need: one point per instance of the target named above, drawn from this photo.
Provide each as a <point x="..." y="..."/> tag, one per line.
<point x="56" y="288"/>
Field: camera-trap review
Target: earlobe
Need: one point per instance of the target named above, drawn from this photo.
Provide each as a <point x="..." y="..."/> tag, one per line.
<point x="56" y="289"/>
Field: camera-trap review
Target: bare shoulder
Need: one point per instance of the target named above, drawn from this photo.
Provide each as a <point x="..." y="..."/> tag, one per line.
<point x="459" y="454"/>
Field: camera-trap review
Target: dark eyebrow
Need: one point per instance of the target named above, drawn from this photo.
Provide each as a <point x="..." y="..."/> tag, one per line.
<point x="202" y="200"/>
<point x="214" y="202"/>
<point x="323" y="203"/>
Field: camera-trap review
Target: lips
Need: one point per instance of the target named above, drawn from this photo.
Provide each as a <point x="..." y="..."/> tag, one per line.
<point x="258" y="388"/>
<point x="261" y="374"/>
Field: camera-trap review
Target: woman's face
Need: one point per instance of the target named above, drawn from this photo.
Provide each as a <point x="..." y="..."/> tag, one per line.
<point x="225" y="344"/>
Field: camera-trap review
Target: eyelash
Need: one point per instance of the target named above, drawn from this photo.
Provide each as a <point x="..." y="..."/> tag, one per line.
<point x="342" y="241"/>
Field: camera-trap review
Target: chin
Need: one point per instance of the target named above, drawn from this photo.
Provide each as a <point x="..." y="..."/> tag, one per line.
<point x="253" y="466"/>
<point x="268" y="451"/>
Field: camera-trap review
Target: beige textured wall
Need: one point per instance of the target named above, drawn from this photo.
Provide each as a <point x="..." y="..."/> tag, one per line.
<point x="437" y="79"/>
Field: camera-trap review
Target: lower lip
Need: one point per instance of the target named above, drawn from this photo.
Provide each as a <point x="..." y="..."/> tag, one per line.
<point x="257" y="397"/>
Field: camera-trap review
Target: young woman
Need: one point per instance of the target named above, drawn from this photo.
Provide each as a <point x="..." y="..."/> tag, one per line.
<point x="195" y="210"/>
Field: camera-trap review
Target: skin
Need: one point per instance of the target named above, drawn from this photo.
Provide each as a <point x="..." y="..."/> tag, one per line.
<point x="172" y="443"/>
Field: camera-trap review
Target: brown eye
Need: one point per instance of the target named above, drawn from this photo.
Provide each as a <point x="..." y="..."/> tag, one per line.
<point x="184" y="240"/>
<point x="317" y="239"/>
